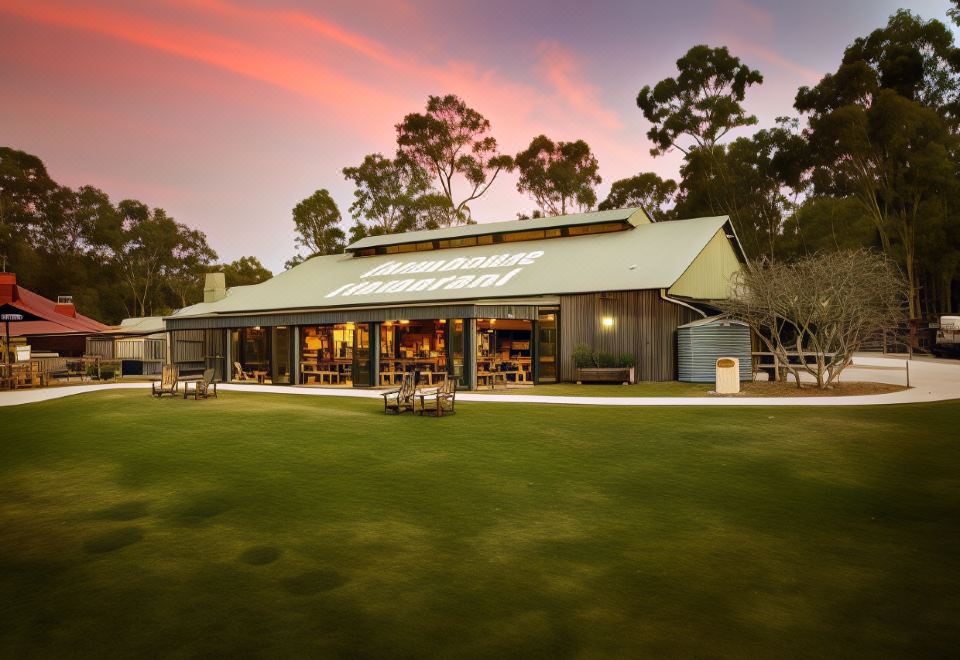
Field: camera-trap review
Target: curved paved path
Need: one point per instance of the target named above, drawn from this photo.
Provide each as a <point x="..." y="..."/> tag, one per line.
<point x="932" y="380"/>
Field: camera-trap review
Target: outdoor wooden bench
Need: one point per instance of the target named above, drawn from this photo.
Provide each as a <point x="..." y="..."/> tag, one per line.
<point x="603" y="375"/>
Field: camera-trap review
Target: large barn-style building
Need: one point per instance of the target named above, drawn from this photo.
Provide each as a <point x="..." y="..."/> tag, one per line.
<point x="512" y="298"/>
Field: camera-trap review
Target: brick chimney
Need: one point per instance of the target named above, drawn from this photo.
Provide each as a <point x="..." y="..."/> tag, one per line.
<point x="65" y="306"/>
<point x="8" y="288"/>
<point x="214" y="287"/>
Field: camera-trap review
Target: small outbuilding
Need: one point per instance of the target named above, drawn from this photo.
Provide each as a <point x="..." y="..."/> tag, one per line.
<point x="139" y="344"/>
<point x="701" y="343"/>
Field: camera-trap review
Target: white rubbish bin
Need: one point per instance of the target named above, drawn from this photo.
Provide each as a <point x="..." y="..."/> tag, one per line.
<point x="728" y="375"/>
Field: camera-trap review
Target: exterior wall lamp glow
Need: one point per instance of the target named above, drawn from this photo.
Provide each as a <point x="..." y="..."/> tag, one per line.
<point x="607" y="321"/>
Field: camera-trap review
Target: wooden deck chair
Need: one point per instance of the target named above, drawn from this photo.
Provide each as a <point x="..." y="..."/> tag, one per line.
<point x="443" y="400"/>
<point x="240" y="374"/>
<point x="401" y="399"/>
<point x="168" y="382"/>
<point x="205" y="387"/>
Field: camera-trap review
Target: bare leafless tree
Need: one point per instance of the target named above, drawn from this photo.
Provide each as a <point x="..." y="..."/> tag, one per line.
<point x="815" y="313"/>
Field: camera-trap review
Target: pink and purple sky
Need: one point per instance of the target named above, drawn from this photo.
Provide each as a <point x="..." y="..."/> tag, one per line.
<point x="228" y="112"/>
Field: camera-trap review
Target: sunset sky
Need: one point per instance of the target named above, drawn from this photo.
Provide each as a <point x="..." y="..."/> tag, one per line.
<point x="228" y="112"/>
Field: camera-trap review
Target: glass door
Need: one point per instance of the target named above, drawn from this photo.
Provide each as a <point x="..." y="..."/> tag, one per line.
<point x="362" y="356"/>
<point x="456" y="351"/>
<point x="281" y="354"/>
<point x="547" y="347"/>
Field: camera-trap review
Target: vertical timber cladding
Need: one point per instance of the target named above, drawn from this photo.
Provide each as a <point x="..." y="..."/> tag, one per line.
<point x="196" y="350"/>
<point x="644" y="325"/>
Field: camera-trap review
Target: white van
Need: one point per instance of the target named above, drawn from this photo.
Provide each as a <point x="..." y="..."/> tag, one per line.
<point x="948" y="337"/>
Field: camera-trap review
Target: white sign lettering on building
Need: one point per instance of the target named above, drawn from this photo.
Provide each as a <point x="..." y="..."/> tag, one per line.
<point x="439" y="274"/>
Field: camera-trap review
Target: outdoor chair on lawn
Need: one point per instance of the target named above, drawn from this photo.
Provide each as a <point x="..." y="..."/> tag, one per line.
<point x="401" y="399"/>
<point x="168" y="382"/>
<point x="203" y="388"/>
<point x="441" y="400"/>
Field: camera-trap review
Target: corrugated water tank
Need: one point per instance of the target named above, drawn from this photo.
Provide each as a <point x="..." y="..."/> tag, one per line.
<point x="701" y="343"/>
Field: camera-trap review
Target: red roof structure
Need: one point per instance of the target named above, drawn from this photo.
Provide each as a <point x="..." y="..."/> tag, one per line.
<point x="42" y="317"/>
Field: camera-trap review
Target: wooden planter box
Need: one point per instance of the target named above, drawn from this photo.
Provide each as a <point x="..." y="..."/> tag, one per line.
<point x="605" y="375"/>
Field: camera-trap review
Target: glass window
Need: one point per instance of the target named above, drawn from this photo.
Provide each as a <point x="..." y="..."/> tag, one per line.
<point x="523" y="236"/>
<point x="326" y="354"/>
<point x="504" y="355"/>
<point x="595" y="229"/>
<point x="250" y="354"/>
<point x="418" y="346"/>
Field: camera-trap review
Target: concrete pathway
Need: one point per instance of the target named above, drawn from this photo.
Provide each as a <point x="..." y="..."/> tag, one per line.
<point x="931" y="380"/>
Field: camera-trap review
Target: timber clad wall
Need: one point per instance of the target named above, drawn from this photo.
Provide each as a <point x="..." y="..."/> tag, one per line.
<point x="195" y="350"/>
<point x="645" y="325"/>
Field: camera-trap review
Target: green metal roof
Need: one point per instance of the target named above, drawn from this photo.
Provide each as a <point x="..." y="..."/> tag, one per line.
<point x="635" y="216"/>
<point x="649" y="256"/>
<point x="138" y="325"/>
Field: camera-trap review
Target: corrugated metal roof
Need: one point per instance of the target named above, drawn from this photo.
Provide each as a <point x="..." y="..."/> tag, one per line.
<point x="46" y="320"/>
<point x="139" y="325"/>
<point x="650" y="256"/>
<point x="635" y="216"/>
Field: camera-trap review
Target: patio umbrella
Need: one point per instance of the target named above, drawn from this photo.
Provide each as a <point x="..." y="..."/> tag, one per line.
<point x="12" y="314"/>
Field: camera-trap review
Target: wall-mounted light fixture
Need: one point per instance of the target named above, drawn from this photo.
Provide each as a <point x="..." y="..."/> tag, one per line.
<point x="607" y="321"/>
<point x="404" y="322"/>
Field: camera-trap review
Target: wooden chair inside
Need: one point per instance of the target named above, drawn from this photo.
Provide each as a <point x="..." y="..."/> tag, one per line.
<point x="240" y="374"/>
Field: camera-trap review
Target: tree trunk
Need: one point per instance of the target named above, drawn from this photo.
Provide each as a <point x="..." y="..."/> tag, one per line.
<point x="914" y="299"/>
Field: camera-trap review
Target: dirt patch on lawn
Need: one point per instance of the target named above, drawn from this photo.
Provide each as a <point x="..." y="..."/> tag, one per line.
<point x="790" y="389"/>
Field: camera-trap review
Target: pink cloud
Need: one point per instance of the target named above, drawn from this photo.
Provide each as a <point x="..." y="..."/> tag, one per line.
<point x="288" y="73"/>
<point x="770" y="56"/>
<point x="561" y="69"/>
<point x="742" y="11"/>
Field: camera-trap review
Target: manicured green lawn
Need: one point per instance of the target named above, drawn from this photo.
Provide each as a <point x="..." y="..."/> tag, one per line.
<point x="291" y="526"/>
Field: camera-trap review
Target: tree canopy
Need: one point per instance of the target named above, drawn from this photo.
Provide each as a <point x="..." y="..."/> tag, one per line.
<point x="558" y="175"/>
<point x="646" y="190"/>
<point x="451" y="141"/>
<point x="245" y="271"/>
<point x="704" y="102"/>
<point x="391" y="196"/>
<point x="317" y="223"/>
